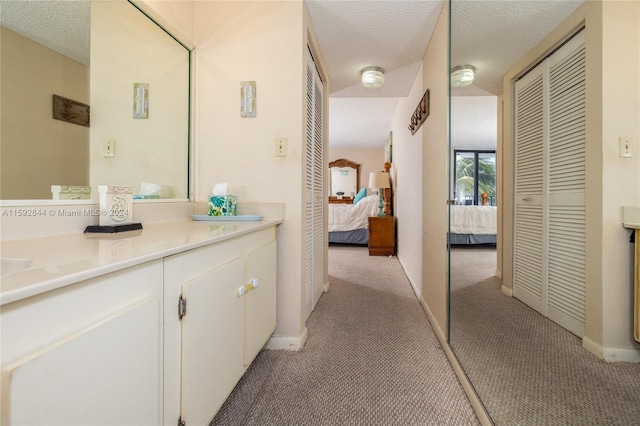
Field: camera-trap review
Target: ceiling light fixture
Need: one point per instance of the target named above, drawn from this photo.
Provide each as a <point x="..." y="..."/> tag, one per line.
<point x="462" y="76"/>
<point x="372" y="77"/>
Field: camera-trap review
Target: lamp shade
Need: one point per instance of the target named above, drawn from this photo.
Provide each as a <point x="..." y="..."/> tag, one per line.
<point x="379" y="180"/>
<point x="462" y="76"/>
<point x="372" y="77"/>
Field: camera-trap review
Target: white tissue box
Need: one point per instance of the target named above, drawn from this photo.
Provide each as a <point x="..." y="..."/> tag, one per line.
<point x="222" y="205"/>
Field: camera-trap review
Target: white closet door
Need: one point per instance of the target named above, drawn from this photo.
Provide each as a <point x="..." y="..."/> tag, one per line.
<point x="530" y="240"/>
<point x="566" y="275"/>
<point x="549" y="253"/>
<point x="314" y="187"/>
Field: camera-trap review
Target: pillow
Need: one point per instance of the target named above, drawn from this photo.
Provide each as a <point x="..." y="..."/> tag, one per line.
<point x="360" y="195"/>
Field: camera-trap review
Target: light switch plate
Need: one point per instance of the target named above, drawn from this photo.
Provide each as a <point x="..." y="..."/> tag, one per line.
<point x="109" y="148"/>
<point x="281" y="147"/>
<point x="625" y="146"/>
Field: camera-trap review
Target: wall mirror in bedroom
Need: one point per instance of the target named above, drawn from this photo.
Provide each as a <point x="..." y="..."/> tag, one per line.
<point x="344" y="177"/>
<point x="91" y="53"/>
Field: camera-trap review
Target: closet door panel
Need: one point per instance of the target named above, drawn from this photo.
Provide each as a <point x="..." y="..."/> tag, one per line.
<point x="549" y="247"/>
<point x="314" y="190"/>
<point x="566" y="271"/>
<point x="529" y="263"/>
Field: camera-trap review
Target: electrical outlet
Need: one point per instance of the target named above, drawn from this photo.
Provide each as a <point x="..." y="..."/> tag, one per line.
<point x="281" y="147"/>
<point x="625" y="146"/>
<point x="109" y="148"/>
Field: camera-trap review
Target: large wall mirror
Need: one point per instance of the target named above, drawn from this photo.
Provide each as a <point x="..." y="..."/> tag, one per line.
<point x="525" y="367"/>
<point x="132" y="74"/>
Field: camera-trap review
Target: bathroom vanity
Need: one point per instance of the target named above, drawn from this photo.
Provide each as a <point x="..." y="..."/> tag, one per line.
<point x="631" y="220"/>
<point x="151" y="327"/>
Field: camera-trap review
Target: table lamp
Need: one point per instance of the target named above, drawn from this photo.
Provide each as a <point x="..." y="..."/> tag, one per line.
<point x="379" y="181"/>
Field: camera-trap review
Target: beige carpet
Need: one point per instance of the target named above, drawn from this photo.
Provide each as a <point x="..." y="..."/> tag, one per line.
<point x="371" y="359"/>
<point x="527" y="369"/>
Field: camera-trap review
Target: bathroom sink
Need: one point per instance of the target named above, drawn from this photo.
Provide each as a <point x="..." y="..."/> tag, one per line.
<point x="12" y="265"/>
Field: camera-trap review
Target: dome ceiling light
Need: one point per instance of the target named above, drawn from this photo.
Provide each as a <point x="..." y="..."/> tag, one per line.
<point x="462" y="76"/>
<point x="372" y="77"/>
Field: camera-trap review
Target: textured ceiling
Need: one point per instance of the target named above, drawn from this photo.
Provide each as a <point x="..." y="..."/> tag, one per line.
<point x="387" y="34"/>
<point x="392" y="35"/>
<point x="491" y="35"/>
<point x="60" y="25"/>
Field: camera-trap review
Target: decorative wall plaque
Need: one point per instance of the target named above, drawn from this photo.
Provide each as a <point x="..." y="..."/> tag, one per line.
<point x="248" y="99"/>
<point x="420" y="114"/>
<point x="71" y="111"/>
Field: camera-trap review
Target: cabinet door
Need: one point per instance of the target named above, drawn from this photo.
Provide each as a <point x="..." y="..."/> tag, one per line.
<point x="212" y="340"/>
<point x="107" y="373"/>
<point x="260" y="302"/>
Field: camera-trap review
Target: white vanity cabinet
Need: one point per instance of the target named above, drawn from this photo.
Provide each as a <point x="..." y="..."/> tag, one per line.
<point x="220" y="309"/>
<point x="159" y="334"/>
<point x="90" y="353"/>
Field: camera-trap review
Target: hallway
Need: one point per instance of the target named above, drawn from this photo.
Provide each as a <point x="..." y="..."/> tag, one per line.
<point x="371" y="358"/>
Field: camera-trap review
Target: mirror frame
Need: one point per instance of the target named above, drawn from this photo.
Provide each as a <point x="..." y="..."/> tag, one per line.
<point x="346" y="163"/>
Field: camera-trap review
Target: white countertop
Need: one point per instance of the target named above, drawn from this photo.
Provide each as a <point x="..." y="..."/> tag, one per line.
<point x="53" y="262"/>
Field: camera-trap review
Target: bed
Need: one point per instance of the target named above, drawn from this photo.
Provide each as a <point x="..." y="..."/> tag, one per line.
<point x="348" y="223"/>
<point x="472" y="224"/>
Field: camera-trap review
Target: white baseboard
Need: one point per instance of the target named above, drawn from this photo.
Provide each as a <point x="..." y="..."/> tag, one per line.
<point x="506" y="291"/>
<point x="611" y="354"/>
<point x="326" y="286"/>
<point x="416" y="290"/>
<point x="287" y="343"/>
<point x="476" y="404"/>
<point x="499" y="273"/>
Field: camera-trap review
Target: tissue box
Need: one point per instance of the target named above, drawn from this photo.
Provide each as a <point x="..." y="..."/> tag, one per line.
<point x="222" y="205"/>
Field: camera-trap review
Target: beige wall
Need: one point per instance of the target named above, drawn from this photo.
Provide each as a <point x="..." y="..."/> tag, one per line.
<point x="175" y="15"/>
<point x="370" y="160"/>
<point x="407" y="179"/>
<point x="266" y="42"/>
<point x="38" y="151"/>
<point x="435" y="77"/>
<point x="621" y="176"/>
<point x="613" y="107"/>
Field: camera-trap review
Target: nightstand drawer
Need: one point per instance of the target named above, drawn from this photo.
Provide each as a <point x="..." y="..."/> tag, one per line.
<point x="382" y="235"/>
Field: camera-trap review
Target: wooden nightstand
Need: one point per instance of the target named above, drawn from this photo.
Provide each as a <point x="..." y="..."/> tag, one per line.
<point x="382" y="235"/>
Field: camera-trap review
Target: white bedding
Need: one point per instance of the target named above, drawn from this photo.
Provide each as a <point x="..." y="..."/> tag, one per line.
<point x="479" y="220"/>
<point x="347" y="217"/>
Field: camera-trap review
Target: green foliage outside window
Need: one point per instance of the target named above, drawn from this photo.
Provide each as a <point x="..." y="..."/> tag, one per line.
<point x="466" y="176"/>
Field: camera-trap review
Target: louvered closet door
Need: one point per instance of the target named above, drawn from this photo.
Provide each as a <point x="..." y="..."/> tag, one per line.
<point x="314" y="187"/>
<point x="549" y="261"/>
<point x="566" y="279"/>
<point x="530" y="240"/>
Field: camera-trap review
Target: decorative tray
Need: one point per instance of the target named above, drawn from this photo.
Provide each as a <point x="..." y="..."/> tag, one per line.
<point x="242" y="217"/>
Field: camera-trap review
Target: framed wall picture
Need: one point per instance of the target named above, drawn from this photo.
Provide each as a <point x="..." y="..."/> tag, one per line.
<point x="70" y="111"/>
